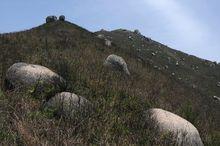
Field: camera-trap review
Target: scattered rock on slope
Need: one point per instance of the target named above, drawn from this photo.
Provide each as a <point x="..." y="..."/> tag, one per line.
<point x="108" y="43"/>
<point x="117" y="63"/>
<point x="66" y="104"/>
<point x="101" y="36"/>
<point x="36" y="77"/>
<point x="180" y="131"/>
<point x="216" y="98"/>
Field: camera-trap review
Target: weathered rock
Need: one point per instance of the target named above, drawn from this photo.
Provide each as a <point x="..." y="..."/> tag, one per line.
<point x="153" y="54"/>
<point x="218" y="84"/>
<point x="67" y="104"/>
<point x="35" y="77"/>
<point x="148" y="39"/>
<point x="101" y="36"/>
<point x="136" y="31"/>
<point x="179" y="130"/>
<point x="194" y="86"/>
<point x="51" y="19"/>
<point x="130" y="37"/>
<point x="216" y="98"/>
<point x="212" y="64"/>
<point x="116" y="62"/>
<point x="155" y="67"/>
<point x="62" y="18"/>
<point x="177" y="63"/>
<point x="108" y="43"/>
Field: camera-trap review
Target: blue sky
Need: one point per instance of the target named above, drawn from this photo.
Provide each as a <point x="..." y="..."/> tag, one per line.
<point x="191" y="26"/>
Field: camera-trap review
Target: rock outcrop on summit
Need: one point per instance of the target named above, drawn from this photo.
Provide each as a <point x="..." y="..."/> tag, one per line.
<point x="51" y="19"/>
<point x="180" y="131"/>
<point x="62" y="18"/>
<point x="117" y="63"/>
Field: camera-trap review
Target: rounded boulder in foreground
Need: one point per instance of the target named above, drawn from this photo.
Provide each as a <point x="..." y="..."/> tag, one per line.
<point x="117" y="63"/>
<point x="35" y="77"/>
<point x="182" y="132"/>
<point x="66" y="104"/>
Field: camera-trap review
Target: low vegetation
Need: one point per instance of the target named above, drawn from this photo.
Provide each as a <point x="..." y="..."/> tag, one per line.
<point x="119" y="101"/>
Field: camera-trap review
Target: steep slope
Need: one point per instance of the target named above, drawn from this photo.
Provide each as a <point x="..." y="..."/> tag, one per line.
<point x="203" y="75"/>
<point x="78" y="55"/>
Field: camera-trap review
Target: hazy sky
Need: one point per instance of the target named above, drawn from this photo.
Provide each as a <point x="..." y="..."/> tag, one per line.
<point x="192" y="26"/>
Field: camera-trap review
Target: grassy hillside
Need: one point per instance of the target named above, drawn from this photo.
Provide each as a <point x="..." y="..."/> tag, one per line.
<point x="77" y="55"/>
<point x="188" y="69"/>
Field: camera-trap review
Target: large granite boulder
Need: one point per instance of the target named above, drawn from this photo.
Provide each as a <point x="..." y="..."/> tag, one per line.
<point x="36" y="78"/>
<point x="180" y="131"/>
<point x="117" y="63"/>
<point x="62" y="18"/>
<point x="51" y="19"/>
<point x="67" y="104"/>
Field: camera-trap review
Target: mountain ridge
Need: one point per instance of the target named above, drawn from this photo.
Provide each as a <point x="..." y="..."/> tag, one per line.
<point x="169" y="58"/>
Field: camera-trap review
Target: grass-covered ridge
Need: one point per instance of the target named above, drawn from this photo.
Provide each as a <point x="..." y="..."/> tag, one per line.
<point x="78" y="55"/>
